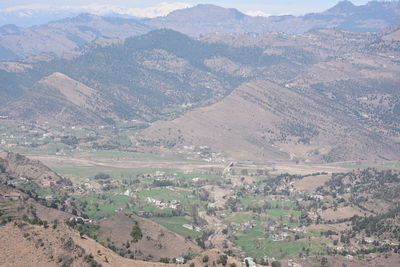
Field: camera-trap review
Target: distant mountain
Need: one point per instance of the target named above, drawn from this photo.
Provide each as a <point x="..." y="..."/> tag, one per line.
<point x="30" y="17"/>
<point x="73" y="33"/>
<point x="38" y="14"/>
<point x="209" y="19"/>
<point x="64" y="35"/>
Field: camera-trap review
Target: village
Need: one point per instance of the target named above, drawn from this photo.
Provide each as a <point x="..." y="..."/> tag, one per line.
<point x="261" y="212"/>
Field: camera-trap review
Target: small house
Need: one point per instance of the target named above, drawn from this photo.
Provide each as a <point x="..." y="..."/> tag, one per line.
<point x="12" y="196"/>
<point x="180" y="260"/>
<point x="349" y="257"/>
<point x="249" y="261"/>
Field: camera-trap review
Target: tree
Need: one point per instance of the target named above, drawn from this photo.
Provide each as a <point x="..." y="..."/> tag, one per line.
<point x="223" y="259"/>
<point x="164" y="260"/>
<point x="205" y="258"/>
<point x="276" y="264"/>
<point x="136" y="233"/>
<point x="102" y="176"/>
<point x="324" y="261"/>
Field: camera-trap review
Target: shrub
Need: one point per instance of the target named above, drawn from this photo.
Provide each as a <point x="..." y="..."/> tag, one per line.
<point x="205" y="258"/>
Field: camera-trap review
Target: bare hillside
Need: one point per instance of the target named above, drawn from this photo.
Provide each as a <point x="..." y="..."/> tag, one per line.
<point x="20" y="167"/>
<point x="29" y="245"/>
<point x="63" y="97"/>
<point x="157" y="242"/>
<point x="262" y="120"/>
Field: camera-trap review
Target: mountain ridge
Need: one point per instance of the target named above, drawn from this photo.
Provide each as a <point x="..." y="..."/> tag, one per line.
<point x="342" y="86"/>
<point x="72" y="33"/>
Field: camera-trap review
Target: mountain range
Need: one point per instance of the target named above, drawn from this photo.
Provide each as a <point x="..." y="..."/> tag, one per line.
<point x="37" y="14"/>
<point x="326" y="95"/>
<point x="65" y="35"/>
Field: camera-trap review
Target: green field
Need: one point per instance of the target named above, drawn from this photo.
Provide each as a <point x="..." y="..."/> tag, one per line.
<point x="272" y="214"/>
<point x="91" y="171"/>
<point x="256" y="244"/>
<point x="8" y="209"/>
<point x="174" y="224"/>
<point x="165" y="194"/>
<point x="97" y="207"/>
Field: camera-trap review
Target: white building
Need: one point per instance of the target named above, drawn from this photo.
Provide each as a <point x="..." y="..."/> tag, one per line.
<point x="250" y="262"/>
<point x="180" y="260"/>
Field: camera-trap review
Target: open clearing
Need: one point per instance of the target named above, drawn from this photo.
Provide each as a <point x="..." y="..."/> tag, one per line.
<point x="310" y="183"/>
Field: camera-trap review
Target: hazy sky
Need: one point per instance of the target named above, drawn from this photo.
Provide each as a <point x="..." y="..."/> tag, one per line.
<point x="275" y="7"/>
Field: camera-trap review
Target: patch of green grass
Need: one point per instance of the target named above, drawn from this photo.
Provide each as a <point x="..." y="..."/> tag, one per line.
<point x="96" y="207"/>
<point x="154" y="210"/>
<point x="174" y="224"/>
<point x="182" y="195"/>
<point x="91" y="171"/>
<point x="256" y="243"/>
<point x="276" y="213"/>
<point x="8" y="208"/>
<point x="165" y="195"/>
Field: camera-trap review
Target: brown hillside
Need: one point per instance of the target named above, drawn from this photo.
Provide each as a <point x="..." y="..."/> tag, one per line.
<point x="28" y="245"/>
<point x="263" y="120"/>
<point x="67" y="100"/>
<point x="74" y="91"/>
<point x="157" y="242"/>
<point x="18" y="166"/>
<point x="392" y="34"/>
<point x="213" y="257"/>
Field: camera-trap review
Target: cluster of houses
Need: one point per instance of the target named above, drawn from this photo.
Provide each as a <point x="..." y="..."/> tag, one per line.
<point x="282" y="232"/>
<point x="173" y="204"/>
<point x="201" y="152"/>
<point x="316" y="197"/>
<point x="282" y="236"/>
<point x="243" y="226"/>
<point x="249" y="261"/>
<point x="145" y="214"/>
<point x="192" y="227"/>
<point x="279" y="232"/>
<point x="365" y="242"/>
<point x="292" y="263"/>
<point x="370" y="240"/>
<point x="80" y="189"/>
<point x="80" y="220"/>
